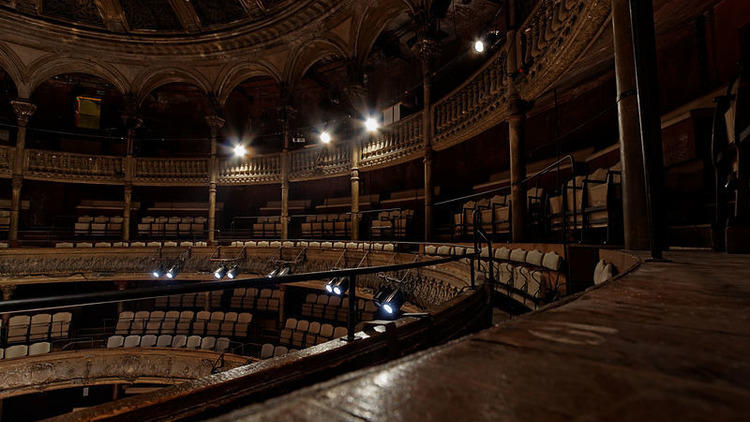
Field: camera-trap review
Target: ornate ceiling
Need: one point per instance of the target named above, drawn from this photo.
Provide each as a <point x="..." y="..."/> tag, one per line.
<point x="148" y="16"/>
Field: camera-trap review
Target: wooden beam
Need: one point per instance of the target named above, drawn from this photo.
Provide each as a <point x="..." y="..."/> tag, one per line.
<point x="112" y="15"/>
<point x="186" y="14"/>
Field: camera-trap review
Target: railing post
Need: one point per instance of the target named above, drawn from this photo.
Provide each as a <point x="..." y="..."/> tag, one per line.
<point x="351" y="321"/>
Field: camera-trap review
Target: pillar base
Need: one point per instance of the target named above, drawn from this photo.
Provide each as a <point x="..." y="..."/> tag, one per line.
<point x="736" y="235"/>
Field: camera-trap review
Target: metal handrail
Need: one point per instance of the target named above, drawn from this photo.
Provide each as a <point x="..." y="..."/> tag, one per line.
<point x="96" y="298"/>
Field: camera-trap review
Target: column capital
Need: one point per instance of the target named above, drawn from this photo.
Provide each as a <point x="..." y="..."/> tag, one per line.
<point x="24" y="109"/>
<point x="215" y="121"/>
<point x="427" y="49"/>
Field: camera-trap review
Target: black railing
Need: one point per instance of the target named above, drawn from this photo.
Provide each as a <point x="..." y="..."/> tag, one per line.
<point x="96" y="298"/>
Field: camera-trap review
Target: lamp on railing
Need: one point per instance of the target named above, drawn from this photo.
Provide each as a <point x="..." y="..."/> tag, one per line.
<point x="337" y="286"/>
<point x="389" y="300"/>
<point x="371" y="124"/>
<point x="240" y="150"/>
<point x="325" y="137"/>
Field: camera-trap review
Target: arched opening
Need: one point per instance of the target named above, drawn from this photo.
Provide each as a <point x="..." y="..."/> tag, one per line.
<point x="174" y="122"/>
<point x="8" y="121"/>
<point x="77" y="112"/>
<point x="252" y="113"/>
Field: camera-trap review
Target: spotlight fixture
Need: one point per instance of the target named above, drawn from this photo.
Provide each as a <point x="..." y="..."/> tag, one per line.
<point x="337" y="286"/>
<point x="220" y="272"/>
<point x="273" y="273"/>
<point x="283" y="271"/>
<point x="389" y="300"/>
<point x="325" y="137"/>
<point x="479" y="46"/>
<point x="173" y="271"/>
<point x="341" y="286"/>
<point x="233" y="272"/>
<point x="240" y="150"/>
<point x="371" y="124"/>
<point x="329" y="285"/>
<point x="158" y="271"/>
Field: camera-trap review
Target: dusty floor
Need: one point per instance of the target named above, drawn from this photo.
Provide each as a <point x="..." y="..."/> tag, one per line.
<point x="668" y="342"/>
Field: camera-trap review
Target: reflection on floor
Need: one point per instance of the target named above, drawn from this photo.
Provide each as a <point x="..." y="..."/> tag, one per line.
<point x="667" y="342"/>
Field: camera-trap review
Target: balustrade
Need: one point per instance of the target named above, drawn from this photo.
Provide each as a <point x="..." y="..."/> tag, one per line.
<point x="552" y="37"/>
<point x="171" y="170"/>
<point x="399" y="141"/>
<point x="257" y="169"/>
<point x="7" y="155"/>
<point x="69" y="166"/>
<point x="321" y="161"/>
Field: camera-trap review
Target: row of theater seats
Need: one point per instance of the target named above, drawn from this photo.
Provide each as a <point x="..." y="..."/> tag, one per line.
<point x="304" y="333"/>
<point x="269" y="350"/>
<point x="391" y="224"/>
<point x="335" y="308"/>
<point x="167" y="244"/>
<point x="172" y="227"/>
<point x="99" y="226"/>
<point x="376" y="246"/>
<point x="258" y="299"/>
<point x="327" y="226"/>
<point x="267" y="228"/>
<point x="190" y="300"/>
<point x="589" y="201"/>
<point x="229" y="324"/>
<point x="166" y="340"/>
<point x="4" y="220"/>
<point x="22" y="350"/>
<point x="25" y="328"/>
<point x="528" y="275"/>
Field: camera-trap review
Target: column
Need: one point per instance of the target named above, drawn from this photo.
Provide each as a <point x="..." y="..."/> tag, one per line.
<point x="428" y="50"/>
<point x="121" y="286"/>
<point x="24" y="109"/>
<point x="635" y="212"/>
<point x="647" y="86"/>
<point x="516" y="123"/>
<point x="7" y="290"/>
<point x="127" y="201"/>
<point x="287" y="113"/>
<point x="355" y="188"/>
<point x="133" y="122"/>
<point x="215" y="123"/>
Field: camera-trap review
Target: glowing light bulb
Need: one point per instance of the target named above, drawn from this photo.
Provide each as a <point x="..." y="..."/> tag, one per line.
<point x="239" y="150"/>
<point x="479" y="46"/>
<point x="325" y="137"/>
<point x="371" y="124"/>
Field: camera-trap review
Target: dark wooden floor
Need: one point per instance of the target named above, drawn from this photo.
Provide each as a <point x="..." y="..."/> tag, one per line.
<point x="668" y="342"/>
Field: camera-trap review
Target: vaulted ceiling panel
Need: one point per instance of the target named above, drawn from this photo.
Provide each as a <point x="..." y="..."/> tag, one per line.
<point x="80" y="11"/>
<point x="150" y="14"/>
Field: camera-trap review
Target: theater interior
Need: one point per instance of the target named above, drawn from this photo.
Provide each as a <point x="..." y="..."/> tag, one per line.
<point x="374" y="210"/>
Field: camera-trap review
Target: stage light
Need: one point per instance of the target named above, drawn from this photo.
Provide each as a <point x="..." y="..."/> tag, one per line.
<point x="220" y="272"/>
<point x="158" y="271"/>
<point x="479" y="46"/>
<point x="173" y="271"/>
<point x="273" y="273"/>
<point x="389" y="300"/>
<point x="325" y="137"/>
<point x="337" y="286"/>
<point x="239" y="150"/>
<point x="282" y="272"/>
<point x="341" y="286"/>
<point x="371" y="124"/>
<point x="233" y="272"/>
